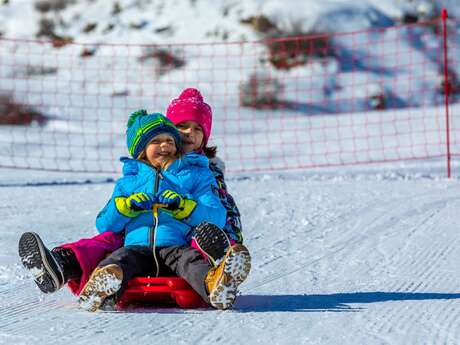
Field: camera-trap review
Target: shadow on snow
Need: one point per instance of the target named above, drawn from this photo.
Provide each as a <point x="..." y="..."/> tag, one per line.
<point x="339" y="302"/>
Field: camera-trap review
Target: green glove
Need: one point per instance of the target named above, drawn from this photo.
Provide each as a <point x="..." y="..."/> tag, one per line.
<point x="135" y="204"/>
<point x="180" y="206"/>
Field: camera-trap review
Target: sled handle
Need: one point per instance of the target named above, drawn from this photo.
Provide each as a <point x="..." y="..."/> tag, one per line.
<point x="156" y="207"/>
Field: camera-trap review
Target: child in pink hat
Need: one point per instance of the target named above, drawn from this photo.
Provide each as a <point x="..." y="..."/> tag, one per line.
<point x="193" y="117"/>
<point x="190" y="106"/>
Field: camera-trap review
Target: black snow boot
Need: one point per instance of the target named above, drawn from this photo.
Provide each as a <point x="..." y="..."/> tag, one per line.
<point x="212" y="240"/>
<point x="68" y="262"/>
<point x="49" y="268"/>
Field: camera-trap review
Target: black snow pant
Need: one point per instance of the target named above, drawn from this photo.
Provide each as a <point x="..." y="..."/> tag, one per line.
<point x="138" y="261"/>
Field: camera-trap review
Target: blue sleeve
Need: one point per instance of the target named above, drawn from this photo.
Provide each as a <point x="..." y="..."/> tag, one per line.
<point x="109" y="218"/>
<point x="209" y="207"/>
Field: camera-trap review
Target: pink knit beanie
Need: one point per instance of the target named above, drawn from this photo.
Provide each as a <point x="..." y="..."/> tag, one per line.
<point x="191" y="107"/>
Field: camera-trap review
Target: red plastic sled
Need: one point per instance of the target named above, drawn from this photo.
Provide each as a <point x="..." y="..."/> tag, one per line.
<point x="173" y="291"/>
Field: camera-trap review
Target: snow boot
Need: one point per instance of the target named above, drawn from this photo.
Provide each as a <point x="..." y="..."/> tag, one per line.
<point x="104" y="282"/>
<point x="222" y="281"/>
<point x="110" y="304"/>
<point x="43" y="264"/>
<point x="68" y="262"/>
<point x="212" y="240"/>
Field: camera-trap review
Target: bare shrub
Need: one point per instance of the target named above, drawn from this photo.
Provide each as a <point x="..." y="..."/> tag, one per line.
<point x="290" y="48"/>
<point x="44" y="6"/>
<point x="89" y="27"/>
<point x="288" y="52"/>
<point x="453" y="86"/>
<point x="261" y="91"/>
<point x="162" y="59"/>
<point x="15" y="113"/>
<point x="261" y="24"/>
<point x="46" y="28"/>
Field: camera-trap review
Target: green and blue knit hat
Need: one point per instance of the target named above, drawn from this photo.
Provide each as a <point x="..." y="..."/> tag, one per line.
<point x="143" y="127"/>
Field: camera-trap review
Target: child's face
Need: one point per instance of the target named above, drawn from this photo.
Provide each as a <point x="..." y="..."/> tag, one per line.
<point x="161" y="150"/>
<point x="192" y="136"/>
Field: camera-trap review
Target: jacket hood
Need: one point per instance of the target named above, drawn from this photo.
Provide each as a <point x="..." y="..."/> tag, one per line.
<point x="134" y="166"/>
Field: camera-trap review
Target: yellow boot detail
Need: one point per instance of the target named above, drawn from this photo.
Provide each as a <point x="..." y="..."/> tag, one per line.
<point x="104" y="282"/>
<point x="222" y="281"/>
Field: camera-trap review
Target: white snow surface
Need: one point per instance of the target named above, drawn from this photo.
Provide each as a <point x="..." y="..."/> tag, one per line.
<point x="356" y="259"/>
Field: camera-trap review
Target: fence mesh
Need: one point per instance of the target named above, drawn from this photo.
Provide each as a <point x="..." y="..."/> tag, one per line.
<point x="287" y="103"/>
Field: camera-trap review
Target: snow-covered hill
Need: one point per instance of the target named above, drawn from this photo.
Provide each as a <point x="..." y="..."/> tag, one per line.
<point x="113" y="67"/>
<point x="185" y="21"/>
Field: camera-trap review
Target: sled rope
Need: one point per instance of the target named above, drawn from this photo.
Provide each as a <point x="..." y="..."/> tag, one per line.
<point x="155" y="217"/>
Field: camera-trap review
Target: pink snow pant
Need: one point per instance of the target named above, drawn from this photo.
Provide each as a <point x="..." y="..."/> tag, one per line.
<point x="89" y="252"/>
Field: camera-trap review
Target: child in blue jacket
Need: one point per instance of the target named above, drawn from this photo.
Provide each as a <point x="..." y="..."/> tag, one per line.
<point x="160" y="245"/>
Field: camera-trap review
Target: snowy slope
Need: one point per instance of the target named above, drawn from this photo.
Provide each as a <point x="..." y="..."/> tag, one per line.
<point x="351" y="260"/>
<point x="184" y="21"/>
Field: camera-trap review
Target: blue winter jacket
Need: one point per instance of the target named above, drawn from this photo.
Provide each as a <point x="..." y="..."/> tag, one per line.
<point x="189" y="176"/>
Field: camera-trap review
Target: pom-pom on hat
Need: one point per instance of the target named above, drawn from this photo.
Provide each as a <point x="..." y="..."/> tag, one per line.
<point x="190" y="106"/>
<point x="143" y="127"/>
